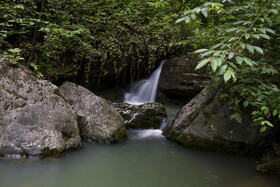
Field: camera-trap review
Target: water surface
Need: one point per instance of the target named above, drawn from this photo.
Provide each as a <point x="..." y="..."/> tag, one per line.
<point x="147" y="159"/>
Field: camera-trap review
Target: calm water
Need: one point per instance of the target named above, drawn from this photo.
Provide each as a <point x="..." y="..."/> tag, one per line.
<point x="147" y="159"/>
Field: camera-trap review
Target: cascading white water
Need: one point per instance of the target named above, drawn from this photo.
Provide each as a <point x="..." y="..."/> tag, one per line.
<point x="144" y="91"/>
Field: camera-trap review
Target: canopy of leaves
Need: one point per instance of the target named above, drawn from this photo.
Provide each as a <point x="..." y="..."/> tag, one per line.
<point x="239" y="42"/>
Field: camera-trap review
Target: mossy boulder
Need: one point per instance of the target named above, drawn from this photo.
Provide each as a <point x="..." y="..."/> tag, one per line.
<point x="98" y="121"/>
<point x="271" y="168"/>
<point x="204" y="123"/>
<point x="35" y="119"/>
<point x="145" y="116"/>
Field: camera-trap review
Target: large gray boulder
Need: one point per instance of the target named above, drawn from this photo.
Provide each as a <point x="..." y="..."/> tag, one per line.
<point x="204" y="124"/>
<point x="98" y="121"/>
<point x="145" y="116"/>
<point x="35" y="120"/>
<point x="180" y="79"/>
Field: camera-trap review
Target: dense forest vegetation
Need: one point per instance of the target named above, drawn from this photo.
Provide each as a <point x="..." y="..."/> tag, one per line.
<point x="89" y="40"/>
<point x="120" y="41"/>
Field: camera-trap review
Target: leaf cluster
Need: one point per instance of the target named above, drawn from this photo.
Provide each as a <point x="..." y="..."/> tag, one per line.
<point x="243" y="53"/>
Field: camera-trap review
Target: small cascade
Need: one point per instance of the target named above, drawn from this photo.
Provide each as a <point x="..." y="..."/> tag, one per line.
<point x="163" y="124"/>
<point x="144" y="91"/>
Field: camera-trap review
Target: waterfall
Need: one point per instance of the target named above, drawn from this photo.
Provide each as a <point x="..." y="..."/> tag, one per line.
<point x="144" y="91"/>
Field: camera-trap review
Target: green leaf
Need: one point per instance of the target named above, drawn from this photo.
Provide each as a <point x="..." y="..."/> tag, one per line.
<point x="262" y="30"/>
<point x="256" y="36"/>
<point x="270" y="31"/>
<point x="200" y="50"/>
<point x="180" y="20"/>
<point x="232" y="29"/>
<point x="250" y="48"/>
<point x="227" y="75"/>
<point x="268" y="21"/>
<point x="219" y="61"/>
<point x="221" y="70"/>
<point x="258" y="119"/>
<point x="231" y="1"/>
<point x="15" y="50"/>
<point x="204" y="12"/>
<point x="258" y="49"/>
<point x="187" y="19"/>
<point x="242" y="45"/>
<point x="202" y="63"/>
<point x="263" y="108"/>
<point x="275" y="112"/>
<point x="265" y="36"/>
<point x="268" y="123"/>
<point x="193" y="16"/>
<point x="274" y="11"/>
<point x="245" y="104"/>
<point x="247" y="36"/>
<point x="232" y="73"/>
<point x="207" y="53"/>
<point x="231" y="54"/>
<point x="239" y="60"/>
<point x="214" y="65"/>
<point x="248" y="61"/>
<point x="263" y="128"/>
<point x="19" y="6"/>
<point x="236" y="116"/>
<point x="216" y="46"/>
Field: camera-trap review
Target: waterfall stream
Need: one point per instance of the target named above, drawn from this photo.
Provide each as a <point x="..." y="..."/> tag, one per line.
<point x="144" y="91"/>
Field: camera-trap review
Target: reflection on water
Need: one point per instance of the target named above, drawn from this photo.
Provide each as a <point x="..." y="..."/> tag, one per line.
<point x="147" y="159"/>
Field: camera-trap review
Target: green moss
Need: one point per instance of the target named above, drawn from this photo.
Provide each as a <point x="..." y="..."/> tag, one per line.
<point x="216" y="145"/>
<point x="120" y="135"/>
<point x="51" y="152"/>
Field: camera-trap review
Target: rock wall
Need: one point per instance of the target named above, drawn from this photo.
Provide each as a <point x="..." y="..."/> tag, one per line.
<point x="179" y="79"/>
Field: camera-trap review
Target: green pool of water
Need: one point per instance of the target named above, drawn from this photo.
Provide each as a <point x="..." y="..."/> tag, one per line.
<point x="146" y="159"/>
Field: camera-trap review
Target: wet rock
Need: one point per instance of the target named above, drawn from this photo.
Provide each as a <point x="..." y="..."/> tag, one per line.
<point x="179" y="78"/>
<point x="145" y="116"/>
<point x="98" y="121"/>
<point x="271" y="168"/>
<point x="35" y="120"/>
<point x="204" y="124"/>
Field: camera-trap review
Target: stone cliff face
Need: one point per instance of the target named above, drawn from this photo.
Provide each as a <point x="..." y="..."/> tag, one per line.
<point x="179" y="79"/>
